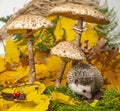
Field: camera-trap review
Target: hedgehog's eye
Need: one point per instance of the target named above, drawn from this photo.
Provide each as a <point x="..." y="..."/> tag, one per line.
<point x="84" y="91"/>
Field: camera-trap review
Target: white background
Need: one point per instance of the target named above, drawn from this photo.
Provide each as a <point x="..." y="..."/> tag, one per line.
<point x="8" y="7"/>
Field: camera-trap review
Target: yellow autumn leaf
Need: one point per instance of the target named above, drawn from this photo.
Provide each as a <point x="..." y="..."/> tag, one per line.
<point x="47" y="72"/>
<point x="7" y="78"/>
<point x="93" y="104"/>
<point x="41" y="70"/>
<point x="37" y="33"/>
<point x="43" y="104"/>
<point x="67" y="24"/>
<point x="12" y="54"/>
<point x="27" y="106"/>
<point x="60" y="97"/>
<point x="31" y="90"/>
<point x="54" y="63"/>
<point x="23" y="49"/>
<point x="2" y="64"/>
<point x="36" y="98"/>
<point x="36" y="88"/>
<point x="9" y="90"/>
<point x="41" y="56"/>
<point x="10" y="77"/>
<point x="4" y="104"/>
<point x="22" y="71"/>
<point x="91" y="35"/>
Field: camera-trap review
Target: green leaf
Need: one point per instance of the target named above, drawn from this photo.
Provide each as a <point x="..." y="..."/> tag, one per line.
<point x="5" y="19"/>
<point x="93" y="104"/>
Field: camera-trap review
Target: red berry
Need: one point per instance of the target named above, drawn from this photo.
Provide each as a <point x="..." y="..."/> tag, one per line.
<point x="16" y="95"/>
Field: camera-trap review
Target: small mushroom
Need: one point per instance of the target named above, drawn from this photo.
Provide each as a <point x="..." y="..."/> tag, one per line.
<point x="80" y="12"/>
<point x="27" y="25"/>
<point x="67" y="51"/>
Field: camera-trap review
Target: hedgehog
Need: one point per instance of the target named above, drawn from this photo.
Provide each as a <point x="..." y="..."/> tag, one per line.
<point x="85" y="80"/>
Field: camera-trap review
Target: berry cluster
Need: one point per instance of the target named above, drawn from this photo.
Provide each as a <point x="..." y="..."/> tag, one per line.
<point x="19" y="96"/>
<point x="11" y="97"/>
<point x="16" y="95"/>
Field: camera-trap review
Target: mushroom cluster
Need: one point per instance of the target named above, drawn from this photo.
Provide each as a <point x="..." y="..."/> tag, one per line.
<point x="80" y="12"/>
<point x="27" y="24"/>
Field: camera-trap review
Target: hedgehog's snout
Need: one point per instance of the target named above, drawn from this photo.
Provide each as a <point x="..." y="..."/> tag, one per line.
<point x="85" y="91"/>
<point x="81" y="89"/>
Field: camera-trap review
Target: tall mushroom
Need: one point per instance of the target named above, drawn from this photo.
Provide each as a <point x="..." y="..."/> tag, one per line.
<point x="80" y="12"/>
<point x="67" y="51"/>
<point x="27" y="25"/>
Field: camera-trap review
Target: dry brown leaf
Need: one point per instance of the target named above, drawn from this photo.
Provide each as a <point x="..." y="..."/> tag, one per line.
<point x="113" y="52"/>
<point x="101" y="42"/>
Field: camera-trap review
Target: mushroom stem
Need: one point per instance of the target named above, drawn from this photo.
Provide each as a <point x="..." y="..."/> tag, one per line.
<point x="79" y="33"/>
<point x="32" y="73"/>
<point x="60" y="75"/>
<point x="1" y="40"/>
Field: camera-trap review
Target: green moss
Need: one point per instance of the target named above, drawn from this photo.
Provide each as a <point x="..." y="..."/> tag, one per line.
<point x="63" y="89"/>
<point x="62" y="107"/>
<point x="109" y="102"/>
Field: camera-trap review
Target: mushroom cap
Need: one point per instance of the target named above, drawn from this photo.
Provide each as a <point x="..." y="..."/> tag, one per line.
<point x="68" y="50"/>
<point x="77" y="11"/>
<point x="28" y="22"/>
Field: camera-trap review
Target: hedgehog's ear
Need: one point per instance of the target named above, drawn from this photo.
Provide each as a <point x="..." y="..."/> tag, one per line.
<point x="76" y="81"/>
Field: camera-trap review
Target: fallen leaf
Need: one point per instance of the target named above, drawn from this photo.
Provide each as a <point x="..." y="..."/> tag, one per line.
<point x="113" y="52"/>
<point x="60" y="97"/>
<point x="12" y="54"/>
<point x="2" y="64"/>
<point x="93" y="104"/>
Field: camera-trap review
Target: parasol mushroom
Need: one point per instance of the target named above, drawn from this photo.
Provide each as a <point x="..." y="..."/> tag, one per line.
<point x="34" y="7"/>
<point x="27" y="25"/>
<point x="80" y="12"/>
<point x="41" y="7"/>
<point x="67" y="51"/>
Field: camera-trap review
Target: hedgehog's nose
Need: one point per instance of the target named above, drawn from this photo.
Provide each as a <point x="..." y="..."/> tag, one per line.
<point x="88" y="95"/>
